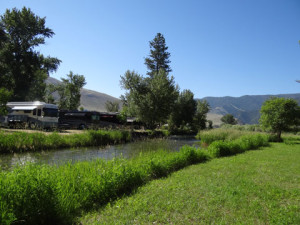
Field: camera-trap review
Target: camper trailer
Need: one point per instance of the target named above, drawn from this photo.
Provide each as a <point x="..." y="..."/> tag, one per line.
<point x="32" y="115"/>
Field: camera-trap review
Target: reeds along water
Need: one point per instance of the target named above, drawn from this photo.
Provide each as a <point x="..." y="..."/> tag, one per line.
<point x="43" y="194"/>
<point x="21" y="141"/>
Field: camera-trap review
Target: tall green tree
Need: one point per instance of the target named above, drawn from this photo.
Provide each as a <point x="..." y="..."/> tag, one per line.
<point x="184" y="111"/>
<point x="159" y="56"/>
<point x="200" y="115"/>
<point x="151" y="100"/>
<point x="4" y="97"/>
<point x="69" y="91"/>
<point x="23" y="68"/>
<point x="112" y="106"/>
<point x="278" y="114"/>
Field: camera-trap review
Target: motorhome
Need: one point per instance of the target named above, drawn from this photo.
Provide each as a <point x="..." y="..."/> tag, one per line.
<point x="79" y="119"/>
<point x="32" y="114"/>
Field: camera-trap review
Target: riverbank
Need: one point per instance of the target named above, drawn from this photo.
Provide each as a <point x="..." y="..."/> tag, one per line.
<point x="43" y="194"/>
<point x="258" y="187"/>
<point x="16" y="142"/>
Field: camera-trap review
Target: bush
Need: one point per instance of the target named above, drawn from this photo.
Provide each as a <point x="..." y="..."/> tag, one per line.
<point x="242" y="144"/>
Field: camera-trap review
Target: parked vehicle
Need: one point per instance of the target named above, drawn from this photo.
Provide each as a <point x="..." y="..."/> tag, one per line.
<point x="32" y="115"/>
<point x="79" y="119"/>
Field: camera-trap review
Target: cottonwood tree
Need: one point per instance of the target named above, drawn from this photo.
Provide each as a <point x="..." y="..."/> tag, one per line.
<point x="200" y="120"/>
<point x="159" y="56"/>
<point x="278" y="114"/>
<point x="112" y="106"/>
<point x="184" y="111"/>
<point x="151" y="100"/>
<point x="69" y="91"/>
<point x="23" y="68"/>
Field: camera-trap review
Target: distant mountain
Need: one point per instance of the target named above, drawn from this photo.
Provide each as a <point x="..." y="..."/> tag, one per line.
<point x="90" y="100"/>
<point x="245" y="109"/>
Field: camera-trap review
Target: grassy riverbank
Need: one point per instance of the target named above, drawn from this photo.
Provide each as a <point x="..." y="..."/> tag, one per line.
<point x="22" y="141"/>
<point x="258" y="187"/>
<point x="43" y="194"/>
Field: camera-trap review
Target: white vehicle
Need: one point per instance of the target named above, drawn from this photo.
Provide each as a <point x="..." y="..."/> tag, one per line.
<point x="32" y="114"/>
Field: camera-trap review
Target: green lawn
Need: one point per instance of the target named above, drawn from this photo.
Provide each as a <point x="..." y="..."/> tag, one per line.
<point x="257" y="187"/>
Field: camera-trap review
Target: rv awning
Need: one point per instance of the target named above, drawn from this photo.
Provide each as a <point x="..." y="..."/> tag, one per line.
<point x="24" y="108"/>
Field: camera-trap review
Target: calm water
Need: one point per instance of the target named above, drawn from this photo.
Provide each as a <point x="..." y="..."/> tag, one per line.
<point x="66" y="155"/>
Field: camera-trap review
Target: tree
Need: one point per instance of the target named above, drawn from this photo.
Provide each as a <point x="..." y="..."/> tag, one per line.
<point x="159" y="57"/>
<point x="69" y="91"/>
<point x="152" y="99"/>
<point x="4" y="97"/>
<point x="278" y="114"/>
<point x="200" y="116"/>
<point x="229" y="119"/>
<point x="112" y="106"/>
<point x="23" y="69"/>
<point x="184" y="111"/>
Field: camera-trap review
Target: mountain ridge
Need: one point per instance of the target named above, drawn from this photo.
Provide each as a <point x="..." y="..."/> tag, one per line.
<point x="244" y="108"/>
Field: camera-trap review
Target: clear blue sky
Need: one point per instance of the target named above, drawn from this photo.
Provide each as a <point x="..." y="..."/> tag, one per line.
<point x="218" y="47"/>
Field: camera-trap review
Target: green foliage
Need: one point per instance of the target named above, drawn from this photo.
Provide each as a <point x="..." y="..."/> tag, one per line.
<point x="4" y="97"/>
<point x="246" y="142"/>
<point x="247" y="127"/>
<point x="229" y="119"/>
<point x="54" y="195"/>
<point x="22" y="142"/>
<point x="200" y="116"/>
<point x="69" y="91"/>
<point x="159" y="57"/>
<point x="23" y="69"/>
<point x="47" y="194"/>
<point x="151" y="100"/>
<point x="184" y="111"/>
<point x="112" y="106"/>
<point x="278" y="114"/>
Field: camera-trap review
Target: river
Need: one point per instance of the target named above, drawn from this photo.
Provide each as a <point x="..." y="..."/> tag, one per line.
<point x="127" y="150"/>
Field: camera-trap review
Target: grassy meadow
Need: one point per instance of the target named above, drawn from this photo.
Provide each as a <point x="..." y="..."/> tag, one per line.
<point x="258" y="187"/>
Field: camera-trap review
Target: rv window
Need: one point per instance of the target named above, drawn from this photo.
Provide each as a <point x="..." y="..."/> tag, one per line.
<point x="34" y="112"/>
<point x="50" y="112"/>
<point x="39" y="112"/>
<point x="95" y="117"/>
<point x="27" y="111"/>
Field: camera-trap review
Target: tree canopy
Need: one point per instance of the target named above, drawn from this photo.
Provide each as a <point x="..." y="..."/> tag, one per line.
<point x="23" y="69"/>
<point x="278" y="114"/>
<point x="4" y="97"/>
<point x="159" y="56"/>
<point x="151" y="100"/>
<point x="69" y="91"/>
<point x="184" y="111"/>
<point x="229" y="119"/>
<point x="112" y="106"/>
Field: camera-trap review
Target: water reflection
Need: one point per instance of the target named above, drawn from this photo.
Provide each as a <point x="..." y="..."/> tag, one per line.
<point x="83" y="154"/>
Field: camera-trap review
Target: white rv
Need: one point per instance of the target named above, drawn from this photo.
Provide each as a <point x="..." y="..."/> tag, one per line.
<point x="32" y="114"/>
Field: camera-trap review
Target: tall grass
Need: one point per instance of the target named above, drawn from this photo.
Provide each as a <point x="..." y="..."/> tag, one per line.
<point x="209" y="136"/>
<point x="21" y="141"/>
<point x="44" y="194"/>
